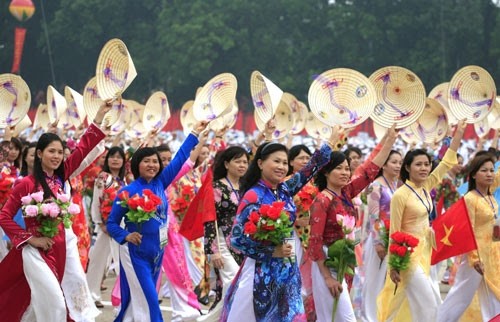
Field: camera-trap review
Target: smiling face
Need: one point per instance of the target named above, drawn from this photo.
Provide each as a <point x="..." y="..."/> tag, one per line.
<point x="149" y="167"/>
<point x="392" y="168"/>
<point x="274" y="168"/>
<point x="51" y="157"/>
<point x="237" y="167"/>
<point x="300" y="161"/>
<point x="115" y="162"/>
<point x="419" y="169"/>
<point x="340" y="176"/>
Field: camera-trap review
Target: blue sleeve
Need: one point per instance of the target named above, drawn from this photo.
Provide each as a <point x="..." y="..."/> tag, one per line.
<point x="249" y="247"/>
<point x="115" y="219"/>
<point x="170" y="172"/>
<point x="319" y="159"/>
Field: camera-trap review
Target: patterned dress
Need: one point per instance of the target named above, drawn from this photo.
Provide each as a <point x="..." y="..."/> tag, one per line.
<point x="268" y="288"/>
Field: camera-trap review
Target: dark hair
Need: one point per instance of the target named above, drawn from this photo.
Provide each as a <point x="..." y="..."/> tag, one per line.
<point x="381" y="171"/>
<point x="112" y="151"/>
<point x="351" y="149"/>
<point x="474" y="166"/>
<point x="38" y="173"/>
<point x="141" y="154"/>
<point x="24" y="164"/>
<point x="231" y="153"/>
<point x="483" y="152"/>
<point x="17" y="143"/>
<point x="254" y="173"/>
<point x="409" y="157"/>
<point x="163" y="148"/>
<point x="294" y="152"/>
<point x="336" y="159"/>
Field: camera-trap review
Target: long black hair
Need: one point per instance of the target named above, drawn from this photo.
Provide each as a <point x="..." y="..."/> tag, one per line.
<point x="112" y="151"/>
<point x="254" y="173"/>
<point x="24" y="164"/>
<point x="141" y="154"/>
<point x="231" y="153"/>
<point x="19" y="146"/>
<point x="336" y="159"/>
<point x="294" y="152"/>
<point x="381" y="171"/>
<point x="408" y="160"/>
<point x="38" y="173"/>
<point x="474" y="167"/>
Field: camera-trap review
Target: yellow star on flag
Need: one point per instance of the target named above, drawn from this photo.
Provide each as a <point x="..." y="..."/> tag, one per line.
<point x="445" y="239"/>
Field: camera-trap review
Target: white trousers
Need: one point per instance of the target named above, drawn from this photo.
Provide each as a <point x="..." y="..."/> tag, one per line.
<point x="194" y="271"/>
<point x="48" y="298"/>
<point x="467" y="282"/>
<point x="323" y="299"/>
<point x="227" y="274"/>
<point x="3" y="245"/>
<point x="375" y="273"/>
<point x="242" y="306"/>
<point x="100" y="252"/>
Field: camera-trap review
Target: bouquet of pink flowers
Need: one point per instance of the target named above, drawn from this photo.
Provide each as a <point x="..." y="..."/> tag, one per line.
<point x="49" y="212"/>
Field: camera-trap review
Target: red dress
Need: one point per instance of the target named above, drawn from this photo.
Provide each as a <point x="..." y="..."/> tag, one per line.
<point x="15" y="294"/>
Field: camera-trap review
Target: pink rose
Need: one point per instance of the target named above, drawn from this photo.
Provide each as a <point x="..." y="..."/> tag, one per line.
<point x="38" y="196"/>
<point x="63" y="197"/>
<point x="74" y="209"/>
<point x="54" y="210"/>
<point x="31" y="211"/>
<point x="26" y="200"/>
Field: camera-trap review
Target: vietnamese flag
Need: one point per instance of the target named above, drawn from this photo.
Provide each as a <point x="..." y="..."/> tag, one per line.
<point x="200" y="211"/>
<point x="453" y="232"/>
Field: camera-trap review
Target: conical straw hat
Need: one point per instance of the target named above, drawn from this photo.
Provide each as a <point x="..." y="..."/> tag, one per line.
<point x="15" y="99"/>
<point x="440" y="94"/>
<point x="115" y="70"/>
<point x="432" y="125"/>
<point x="187" y="117"/>
<point x="113" y="115"/>
<point x="342" y="96"/>
<point x="379" y="131"/>
<point x="42" y="119"/>
<point x="226" y="119"/>
<point x="472" y="93"/>
<point x="266" y="96"/>
<point x="56" y="103"/>
<point x="124" y="118"/>
<point x="317" y="129"/>
<point x="216" y="96"/>
<point x="74" y="115"/>
<point x="482" y="127"/>
<point x="400" y="96"/>
<point x="494" y="116"/>
<point x="91" y="99"/>
<point x="137" y="131"/>
<point x="21" y="126"/>
<point x="156" y="112"/>
<point x="408" y="136"/>
<point x="299" y="112"/>
<point x="282" y="119"/>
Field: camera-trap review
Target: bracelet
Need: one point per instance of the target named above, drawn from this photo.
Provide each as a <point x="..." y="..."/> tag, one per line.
<point x="193" y="132"/>
<point x="98" y="124"/>
<point x="218" y="137"/>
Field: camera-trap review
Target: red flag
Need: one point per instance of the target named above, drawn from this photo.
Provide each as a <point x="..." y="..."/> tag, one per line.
<point x="454" y="234"/>
<point x="200" y="211"/>
<point x="495" y="318"/>
<point x="440" y="206"/>
<point x="19" y="36"/>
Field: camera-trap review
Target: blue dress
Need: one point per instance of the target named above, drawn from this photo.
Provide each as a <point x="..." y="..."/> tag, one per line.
<point x="144" y="261"/>
<point x="275" y="291"/>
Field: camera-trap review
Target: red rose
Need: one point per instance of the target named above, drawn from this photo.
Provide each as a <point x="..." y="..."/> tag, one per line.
<point x="124" y="195"/>
<point x="393" y="248"/>
<point x="250" y="228"/>
<point x="401" y="251"/>
<point x="264" y="209"/>
<point x="278" y="204"/>
<point x="387" y="223"/>
<point x="134" y="202"/>
<point x="187" y="190"/>
<point x="254" y="217"/>
<point x="149" y="206"/>
<point x="274" y="213"/>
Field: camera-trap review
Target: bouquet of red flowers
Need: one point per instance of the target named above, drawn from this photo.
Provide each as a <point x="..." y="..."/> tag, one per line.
<point x="50" y="212"/>
<point x="7" y="178"/>
<point x="303" y="200"/>
<point x="383" y="227"/>
<point x="140" y="208"/>
<point x="401" y="247"/>
<point x="107" y="199"/>
<point x="181" y="203"/>
<point x="271" y="223"/>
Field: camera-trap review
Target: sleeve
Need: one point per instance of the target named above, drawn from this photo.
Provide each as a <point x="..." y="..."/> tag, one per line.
<point x="239" y="240"/>
<point x="398" y="205"/>
<point x="170" y="172"/>
<point x="318" y="160"/>
<point x="186" y="167"/>
<point x="374" y="209"/>
<point x="88" y="141"/>
<point x="16" y="233"/>
<point x="496" y="181"/>
<point x="114" y="220"/>
<point x="364" y="177"/>
<point x="95" y="207"/>
<point x="89" y="159"/>
<point x="318" y="213"/>
<point x="369" y="159"/>
<point x="471" y="203"/>
<point x="449" y="160"/>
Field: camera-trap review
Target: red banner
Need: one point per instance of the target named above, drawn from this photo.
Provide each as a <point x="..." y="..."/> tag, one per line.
<point x="19" y="36"/>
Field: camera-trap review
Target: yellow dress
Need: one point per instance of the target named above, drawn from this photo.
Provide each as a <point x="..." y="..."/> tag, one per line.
<point x="409" y="215"/>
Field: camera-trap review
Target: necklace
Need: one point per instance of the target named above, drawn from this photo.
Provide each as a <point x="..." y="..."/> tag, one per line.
<point x="489" y="199"/>
<point x="344" y="198"/>
<point x="428" y="205"/>
<point x="235" y="191"/>
<point x="388" y="184"/>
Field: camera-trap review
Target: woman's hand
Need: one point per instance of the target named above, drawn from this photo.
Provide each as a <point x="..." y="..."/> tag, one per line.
<point x="284" y="250"/>
<point x="103" y="109"/>
<point x="337" y="135"/>
<point x="395" y="277"/>
<point x="269" y="129"/>
<point x="381" y="251"/>
<point x="334" y="286"/>
<point x="217" y="261"/>
<point x="134" y="238"/>
<point x="479" y="267"/>
<point x="199" y="127"/>
<point x="302" y="221"/>
<point x="391" y="135"/>
<point x="44" y="243"/>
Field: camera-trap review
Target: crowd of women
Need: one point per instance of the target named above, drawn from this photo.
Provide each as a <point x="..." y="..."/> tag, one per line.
<point x="56" y="278"/>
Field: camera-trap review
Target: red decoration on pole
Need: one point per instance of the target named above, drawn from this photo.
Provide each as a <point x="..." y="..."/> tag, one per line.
<point x="22" y="10"/>
<point x="19" y="36"/>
